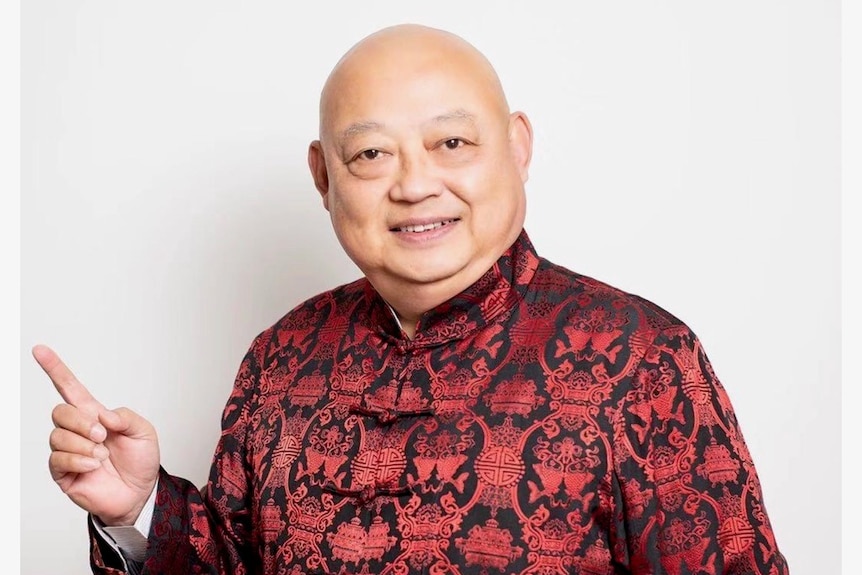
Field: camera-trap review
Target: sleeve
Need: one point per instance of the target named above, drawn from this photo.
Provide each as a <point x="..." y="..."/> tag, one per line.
<point x="688" y="496"/>
<point x="127" y="543"/>
<point x="207" y="531"/>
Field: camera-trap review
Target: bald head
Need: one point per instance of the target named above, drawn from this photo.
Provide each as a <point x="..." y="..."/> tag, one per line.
<point x="420" y="164"/>
<point x="393" y="56"/>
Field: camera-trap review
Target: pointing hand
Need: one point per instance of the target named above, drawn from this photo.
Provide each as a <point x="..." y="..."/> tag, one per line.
<point x="106" y="461"/>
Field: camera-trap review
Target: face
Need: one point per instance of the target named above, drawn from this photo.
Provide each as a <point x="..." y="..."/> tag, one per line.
<point x="422" y="170"/>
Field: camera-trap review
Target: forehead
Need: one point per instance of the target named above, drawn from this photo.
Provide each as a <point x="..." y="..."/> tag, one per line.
<point x="424" y="89"/>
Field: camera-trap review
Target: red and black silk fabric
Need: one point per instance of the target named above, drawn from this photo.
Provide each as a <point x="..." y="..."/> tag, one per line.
<point x="541" y="422"/>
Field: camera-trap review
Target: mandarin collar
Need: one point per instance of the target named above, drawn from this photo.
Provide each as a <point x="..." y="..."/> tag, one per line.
<point x="492" y="295"/>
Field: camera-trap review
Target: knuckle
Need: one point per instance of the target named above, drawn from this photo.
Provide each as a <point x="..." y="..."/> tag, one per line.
<point x="54" y="464"/>
<point x="54" y="439"/>
<point x="57" y="413"/>
<point x="123" y="411"/>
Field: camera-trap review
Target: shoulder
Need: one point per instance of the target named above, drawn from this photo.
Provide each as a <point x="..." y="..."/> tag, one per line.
<point x="310" y="316"/>
<point x="585" y="298"/>
<point x="614" y="334"/>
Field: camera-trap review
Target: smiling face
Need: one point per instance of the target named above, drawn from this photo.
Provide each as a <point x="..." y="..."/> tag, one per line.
<point x="420" y="164"/>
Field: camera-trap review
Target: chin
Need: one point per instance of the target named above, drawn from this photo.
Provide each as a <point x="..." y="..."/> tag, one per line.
<point x="426" y="277"/>
<point x="430" y="272"/>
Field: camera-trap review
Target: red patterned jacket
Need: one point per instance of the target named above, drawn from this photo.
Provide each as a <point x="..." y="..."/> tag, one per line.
<point x="540" y="422"/>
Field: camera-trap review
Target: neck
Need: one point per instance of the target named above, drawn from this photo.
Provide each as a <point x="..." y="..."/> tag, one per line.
<point x="410" y="301"/>
<point x="408" y="325"/>
<point x="409" y="307"/>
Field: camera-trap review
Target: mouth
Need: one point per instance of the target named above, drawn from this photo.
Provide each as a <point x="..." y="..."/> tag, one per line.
<point x="426" y="227"/>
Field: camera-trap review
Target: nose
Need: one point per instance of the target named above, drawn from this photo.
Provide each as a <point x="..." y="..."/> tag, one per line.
<point x="417" y="179"/>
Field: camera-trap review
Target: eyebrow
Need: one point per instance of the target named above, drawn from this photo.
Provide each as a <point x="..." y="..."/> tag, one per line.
<point x="457" y="114"/>
<point x="357" y="129"/>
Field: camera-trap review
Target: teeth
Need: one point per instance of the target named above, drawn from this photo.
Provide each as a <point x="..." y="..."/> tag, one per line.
<point x="426" y="227"/>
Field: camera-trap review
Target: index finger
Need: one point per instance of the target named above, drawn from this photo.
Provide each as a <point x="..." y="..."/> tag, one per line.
<point x="71" y="390"/>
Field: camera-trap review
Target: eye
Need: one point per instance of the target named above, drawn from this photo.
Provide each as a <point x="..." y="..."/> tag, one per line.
<point x="369" y="154"/>
<point x="453" y="143"/>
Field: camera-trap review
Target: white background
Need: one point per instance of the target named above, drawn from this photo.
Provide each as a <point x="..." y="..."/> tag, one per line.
<point x="685" y="151"/>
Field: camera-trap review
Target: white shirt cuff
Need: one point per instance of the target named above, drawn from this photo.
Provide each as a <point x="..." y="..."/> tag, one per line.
<point x="130" y="541"/>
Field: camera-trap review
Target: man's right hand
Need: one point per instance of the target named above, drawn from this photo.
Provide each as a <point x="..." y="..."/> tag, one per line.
<point x="106" y="461"/>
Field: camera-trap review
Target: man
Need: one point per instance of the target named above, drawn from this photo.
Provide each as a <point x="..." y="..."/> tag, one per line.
<point x="465" y="407"/>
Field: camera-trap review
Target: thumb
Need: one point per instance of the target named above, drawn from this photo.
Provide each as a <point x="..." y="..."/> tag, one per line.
<point x="126" y="422"/>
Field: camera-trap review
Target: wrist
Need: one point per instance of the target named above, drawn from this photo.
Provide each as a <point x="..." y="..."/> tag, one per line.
<point x="142" y="510"/>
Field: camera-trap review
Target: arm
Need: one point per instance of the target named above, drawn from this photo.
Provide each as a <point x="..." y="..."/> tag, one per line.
<point x="107" y="462"/>
<point x="689" y="488"/>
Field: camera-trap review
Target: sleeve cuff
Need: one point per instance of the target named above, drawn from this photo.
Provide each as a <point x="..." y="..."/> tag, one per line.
<point x="130" y="541"/>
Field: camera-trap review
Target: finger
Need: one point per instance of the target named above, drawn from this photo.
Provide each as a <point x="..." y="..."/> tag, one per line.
<point x="126" y="422"/>
<point x="70" y="389"/>
<point x="78" y="421"/>
<point x="61" y="464"/>
<point x="66" y="441"/>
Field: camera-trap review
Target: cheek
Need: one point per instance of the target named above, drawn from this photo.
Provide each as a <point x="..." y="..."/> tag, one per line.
<point x="472" y="184"/>
<point x="480" y="189"/>
<point x="355" y="209"/>
<point x="345" y="199"/>
<point x="496" y="205"/>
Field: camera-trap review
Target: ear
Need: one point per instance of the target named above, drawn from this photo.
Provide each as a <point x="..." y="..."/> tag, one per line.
<point x="317" y="165"/>
<point x="521" y="142"/>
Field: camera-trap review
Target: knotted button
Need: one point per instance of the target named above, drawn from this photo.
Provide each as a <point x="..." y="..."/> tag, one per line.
<point x="388" y="416"/>
<point x="367" y="493"/>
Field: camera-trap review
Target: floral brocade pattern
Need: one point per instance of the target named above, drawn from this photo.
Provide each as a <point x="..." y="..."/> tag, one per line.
<point x="540" y="423"/>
